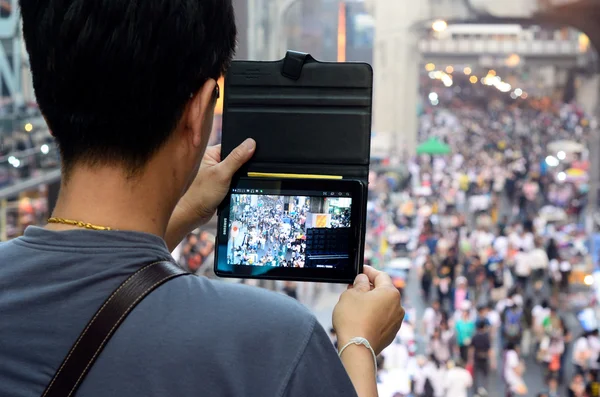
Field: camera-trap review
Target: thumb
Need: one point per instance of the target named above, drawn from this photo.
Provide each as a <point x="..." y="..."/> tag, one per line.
<point x="361" y="283"/>
<point x="238" y="157"/>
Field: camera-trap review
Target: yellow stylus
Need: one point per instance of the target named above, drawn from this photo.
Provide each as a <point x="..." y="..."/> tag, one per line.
<point x="291" y="176"/>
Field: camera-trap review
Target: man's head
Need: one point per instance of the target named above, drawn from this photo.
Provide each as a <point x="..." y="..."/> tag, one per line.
<point x="118" y="81"/>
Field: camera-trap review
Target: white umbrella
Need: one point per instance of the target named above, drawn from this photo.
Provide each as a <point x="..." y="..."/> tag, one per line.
<point x="566" y="146"/>
<point x="553" y="214"/>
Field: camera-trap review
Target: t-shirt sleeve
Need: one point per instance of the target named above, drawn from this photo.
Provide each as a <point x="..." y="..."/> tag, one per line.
<point x="319" y="371"/>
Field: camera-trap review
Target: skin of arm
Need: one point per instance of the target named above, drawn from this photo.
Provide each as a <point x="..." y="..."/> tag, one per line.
<point x="360" y="367"/>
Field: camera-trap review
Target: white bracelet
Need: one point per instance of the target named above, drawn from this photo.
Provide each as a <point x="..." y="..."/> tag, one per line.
<point x="361" y="341"/>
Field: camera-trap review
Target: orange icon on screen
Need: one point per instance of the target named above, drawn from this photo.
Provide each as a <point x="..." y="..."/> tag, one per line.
<point x="321" y="221"/>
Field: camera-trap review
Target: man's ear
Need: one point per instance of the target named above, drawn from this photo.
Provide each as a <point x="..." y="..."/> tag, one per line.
<point x="199" y="108"/>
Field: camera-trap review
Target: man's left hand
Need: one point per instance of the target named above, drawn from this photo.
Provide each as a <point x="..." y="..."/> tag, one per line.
<point x="209" y="188"/>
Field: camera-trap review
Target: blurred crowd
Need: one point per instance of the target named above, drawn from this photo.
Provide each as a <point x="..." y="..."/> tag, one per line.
<point x="494" y="221"/>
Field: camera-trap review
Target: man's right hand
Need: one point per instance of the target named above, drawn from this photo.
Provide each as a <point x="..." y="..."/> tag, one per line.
<point x="371" y="308"/>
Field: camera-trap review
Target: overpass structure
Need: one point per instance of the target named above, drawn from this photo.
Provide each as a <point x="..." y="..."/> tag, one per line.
<point x="405" y="40"/>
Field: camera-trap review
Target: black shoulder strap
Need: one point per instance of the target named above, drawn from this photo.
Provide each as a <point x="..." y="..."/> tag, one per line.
<point x="105" y="322"/>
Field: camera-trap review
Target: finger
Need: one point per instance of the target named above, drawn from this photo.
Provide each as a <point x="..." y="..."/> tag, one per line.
<point x="361" y="283"/>
<point x="377" y="278"/>
<point x="238" y="157"/>
<point x="215" y="152"/>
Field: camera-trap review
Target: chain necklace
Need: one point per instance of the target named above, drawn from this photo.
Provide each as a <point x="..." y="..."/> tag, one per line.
<point x="80" y="224"/>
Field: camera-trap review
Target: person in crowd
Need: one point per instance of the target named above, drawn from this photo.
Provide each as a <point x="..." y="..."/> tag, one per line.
<point x="427" y="277"/>
<point x="577" y="386"/>
<point x="552" y="250"/>
<point x="540" y="263"/>
<point x="554" y="387"/>
<point x="497" y="278"/>
<point x="512" y="323"/>
<point x="592" y="387"/>
<point x="428" y="380"/>
<point x="513" y="372"/>
<point x="522" y="269"/>
<point x="483" y="314"/>
<point x="465" y="330"/>
<point x="126" y="88"/>
<point x="555" y="327"/>
<point x="458" y="380"/>
<point x="476" y="276"/>
<point x="441" y="345"/>
<point x="483" y="357"/>
<point x="461" y="293"/>
<point x="565" y="268"/>
<point x="527" y="337"/>
<point x="432" y="318"/>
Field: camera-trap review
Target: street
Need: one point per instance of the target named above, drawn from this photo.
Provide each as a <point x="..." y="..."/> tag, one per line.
<point x="326" y="296"/>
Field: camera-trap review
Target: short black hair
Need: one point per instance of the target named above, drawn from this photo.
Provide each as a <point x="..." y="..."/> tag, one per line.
<point x="113" y="77"/>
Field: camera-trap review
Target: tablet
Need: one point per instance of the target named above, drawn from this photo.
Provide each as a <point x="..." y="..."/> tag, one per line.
<point x="291" y="229"/>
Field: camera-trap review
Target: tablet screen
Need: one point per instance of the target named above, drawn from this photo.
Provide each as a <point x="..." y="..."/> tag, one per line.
<point x="289" y="228"/>
<point x="282" y="229"/>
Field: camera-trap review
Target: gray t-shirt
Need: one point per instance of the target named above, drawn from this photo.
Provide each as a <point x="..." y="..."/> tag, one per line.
<point x="190" y="337"/>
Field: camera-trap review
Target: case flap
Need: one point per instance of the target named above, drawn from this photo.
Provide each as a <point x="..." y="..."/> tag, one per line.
<point x="299" y="111"/>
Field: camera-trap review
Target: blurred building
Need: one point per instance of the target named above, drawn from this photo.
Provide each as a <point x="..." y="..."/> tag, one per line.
<point x="445" y="35"/>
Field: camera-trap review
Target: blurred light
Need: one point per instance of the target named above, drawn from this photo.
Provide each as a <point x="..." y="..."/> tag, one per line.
<point x="435" y="103"/>
<point x="439" y="25"/>
<point x="467" y="70"/>
<point x="588" y="280"/>
<point x="12" y="159"/>
<point x="432" y="75"/>
<point x="433" y="96"/>
<point x="430" y="67"/>
<point x="513" y="95"/>
<point x="341" y="42"/>
<point x="504" y="87"/>
<point x="16" y="163"/>
<point x="552" y="161"/>
<point x="449" y="69"/>
<point x="561" y="176"/>
<point x="473" y="79"/>
<point x="492" y="73"/>
<point x="28" y="127"/>
<point x="447" y="80"/>
<point x="513" y="60"/>
<point x="584" y="42"/>
<point x="524" y="95"/>
<point x="45" y="149"/>
<point x="219" y="104"/>
<point x="518" y="92"/>
<point x="439" y="75"/>
<point x="496" y="80"/>
<point x="561" y="155"/>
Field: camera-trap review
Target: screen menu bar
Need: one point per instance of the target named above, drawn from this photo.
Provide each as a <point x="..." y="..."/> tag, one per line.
<point x="275" y="192"/>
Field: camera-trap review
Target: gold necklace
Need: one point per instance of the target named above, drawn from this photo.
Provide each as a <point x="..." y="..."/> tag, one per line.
<point x="80" y="224"/>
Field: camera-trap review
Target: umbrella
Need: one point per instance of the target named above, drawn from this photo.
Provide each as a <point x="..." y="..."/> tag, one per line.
<point x="565" y="146"/>
<point x="576" y="175"/>
<point x="553" y="214"/>
<point x="433" y="146"/>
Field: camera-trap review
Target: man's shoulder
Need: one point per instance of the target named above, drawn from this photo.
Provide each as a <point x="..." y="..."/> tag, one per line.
<point x="237" y="302"/>
<point x="205" y="332"/>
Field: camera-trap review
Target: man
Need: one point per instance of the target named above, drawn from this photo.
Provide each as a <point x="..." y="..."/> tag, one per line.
<point x="432" y="318"/>
<point x="483" y="357"/>
<point x="458" y="380"/>
<point x="128" y="90"/>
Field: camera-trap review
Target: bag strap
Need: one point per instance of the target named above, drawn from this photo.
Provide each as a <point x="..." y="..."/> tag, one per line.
<point x="105" y="322"/>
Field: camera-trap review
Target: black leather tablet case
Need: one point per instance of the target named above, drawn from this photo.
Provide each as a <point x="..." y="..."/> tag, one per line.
<point x="307" y="117"/>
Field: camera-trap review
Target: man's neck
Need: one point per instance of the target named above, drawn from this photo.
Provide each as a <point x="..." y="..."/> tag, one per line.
<point x="106" y="197"/>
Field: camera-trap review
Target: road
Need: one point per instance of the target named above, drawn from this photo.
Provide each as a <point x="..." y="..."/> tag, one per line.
<point x="326" y="296"/>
